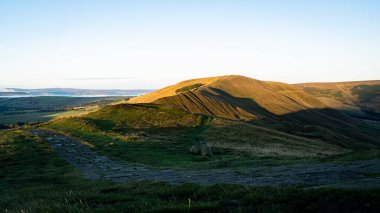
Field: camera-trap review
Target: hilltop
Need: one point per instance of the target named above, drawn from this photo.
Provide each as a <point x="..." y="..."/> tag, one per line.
<point x="233" y="97"/>
<point x="280" y="106"/>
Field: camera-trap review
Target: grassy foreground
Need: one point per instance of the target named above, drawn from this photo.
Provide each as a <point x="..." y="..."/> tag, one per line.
<point x="164" y="136"/>
<point x="34" y="179"/>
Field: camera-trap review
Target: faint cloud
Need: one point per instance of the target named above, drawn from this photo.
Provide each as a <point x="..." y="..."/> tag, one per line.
<point x="98" y="78"/>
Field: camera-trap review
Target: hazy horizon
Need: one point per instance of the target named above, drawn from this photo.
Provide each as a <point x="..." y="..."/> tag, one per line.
<point x="150" y="44"/>
<point x="8" y="89"/>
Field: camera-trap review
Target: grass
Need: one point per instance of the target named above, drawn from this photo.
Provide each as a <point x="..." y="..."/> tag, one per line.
<point x="292" y="110"/>
<point x="188" y="88"/>
<point x="51" y="102"/>
<point x="354" y="156"/>
<point x="153" y="144"/>
<point x="164" y="137"/>
<point x="366" y="92"/>
<point x="261" y="141"/>
<point x="35" y="179"/>
<point x="26" y="117"/>
<point x="35" y="116"/>
<point x="41" y="109"/>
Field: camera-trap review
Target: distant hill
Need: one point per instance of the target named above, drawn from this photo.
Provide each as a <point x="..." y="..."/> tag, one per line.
<point x="356" y="95"/>
<point x="17" y="92"/>
<point x="281" y="106"/>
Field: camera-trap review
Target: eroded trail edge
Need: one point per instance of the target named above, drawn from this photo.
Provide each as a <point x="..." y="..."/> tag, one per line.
<point x="359" y="174"/>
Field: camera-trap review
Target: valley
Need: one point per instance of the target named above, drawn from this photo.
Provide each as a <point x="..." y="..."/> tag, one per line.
<point x="24" y="110"/>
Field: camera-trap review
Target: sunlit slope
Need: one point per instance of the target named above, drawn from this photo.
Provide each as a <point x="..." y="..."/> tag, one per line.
<point x="234" y="97"/>
<point x="171" y="90"/>
<point x="355" y="95"/>
<point x="142" y="117"/>
<point x="277" y="98"/>
<point x="274" y="105"/>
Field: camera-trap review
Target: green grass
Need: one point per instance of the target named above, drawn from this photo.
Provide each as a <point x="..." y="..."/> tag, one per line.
<point x="164" y="136"/>
<point x="109" y="131"/>
<point x="51" y="102"/>
<point x="34" y="179"/>
<point x="41" y="109"/>
<point x="26" y="117"/>
<point x="164" y="148"/>
<point x="35" y="116"/>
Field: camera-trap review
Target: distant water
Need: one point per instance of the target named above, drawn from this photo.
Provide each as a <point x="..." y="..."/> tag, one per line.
<point x="69" y="92"/>
<point x="78" y="96"/>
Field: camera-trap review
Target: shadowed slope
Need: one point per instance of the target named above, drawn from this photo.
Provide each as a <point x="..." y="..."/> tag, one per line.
<point x="271" y="104"/>
<point x="277" y="98"/>
<point x="126" y="130"/>
<point x="233" y="97"/>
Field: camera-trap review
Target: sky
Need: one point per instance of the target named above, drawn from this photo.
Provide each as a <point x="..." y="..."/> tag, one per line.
<point x="121" y="44"/>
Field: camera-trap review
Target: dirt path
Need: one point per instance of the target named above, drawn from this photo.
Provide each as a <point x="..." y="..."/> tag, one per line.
<point x="361" y="174"/>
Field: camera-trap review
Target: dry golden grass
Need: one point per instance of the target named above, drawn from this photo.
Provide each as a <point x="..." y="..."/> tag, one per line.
<point x="171" y="90"/>
<point x="277" y="98"/>
<point x="234" y="97"/>
<point x="338" y="95"/>
<point x="276" y="105"/>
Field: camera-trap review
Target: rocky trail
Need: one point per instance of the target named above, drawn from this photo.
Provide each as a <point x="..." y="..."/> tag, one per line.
<point x="360" y="174"/>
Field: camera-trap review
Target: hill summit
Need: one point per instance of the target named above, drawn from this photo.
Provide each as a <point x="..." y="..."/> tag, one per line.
<point x="276" y="105"/>
<point x="233" y="97"/>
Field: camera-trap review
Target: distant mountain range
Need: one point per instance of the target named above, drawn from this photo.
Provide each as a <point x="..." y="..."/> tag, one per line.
<point x="17" y="92"/>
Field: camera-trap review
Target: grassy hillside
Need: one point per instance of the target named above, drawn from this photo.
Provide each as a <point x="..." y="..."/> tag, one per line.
<point x="234" y="97"/>
<point x="143" y="117"/>
<point x="346" y="95"/>
<point x="171" y="90"/>
<point x="259" y="141"/>
<point x="35" y="179"/>
<point x="128" y="132"/>
<point x="276" y="98"/>
<point x="269" y="104"/>
<point x="271" y="124"/>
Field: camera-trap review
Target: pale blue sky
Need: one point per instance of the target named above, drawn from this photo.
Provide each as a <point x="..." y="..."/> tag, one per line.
<point x="150" y="44"/>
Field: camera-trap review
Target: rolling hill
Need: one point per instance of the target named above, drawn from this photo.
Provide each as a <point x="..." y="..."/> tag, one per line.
<point x="353" y="96"/>
<point x="233" y="97"/>
<point x="275" y="105"/>
<point x="239" y="120"/>
<point x="223" y="122"/>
